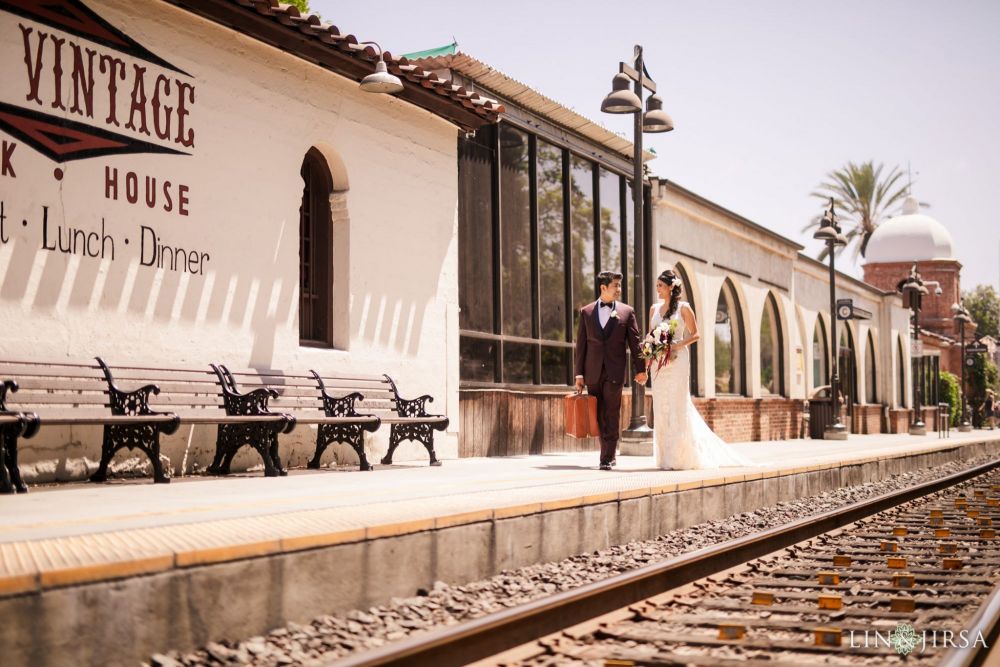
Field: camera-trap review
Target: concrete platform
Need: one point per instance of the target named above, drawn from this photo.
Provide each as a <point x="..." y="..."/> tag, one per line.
<point x="145" y="567"/>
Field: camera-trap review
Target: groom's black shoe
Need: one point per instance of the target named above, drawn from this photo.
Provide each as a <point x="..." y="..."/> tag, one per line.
<point x="605" y="466"/>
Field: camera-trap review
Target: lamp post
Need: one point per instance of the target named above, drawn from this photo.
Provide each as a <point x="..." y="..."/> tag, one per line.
<point x="913" y="288"/>
<point x="621" y="100"/>
<point x="829" y="232"/>
<point x="962" y="317"/>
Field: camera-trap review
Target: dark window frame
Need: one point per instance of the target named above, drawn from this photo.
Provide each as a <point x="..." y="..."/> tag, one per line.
<point x="315" y="263"/>
<point x="771" y="303"/>
<point x="498" y="335"/>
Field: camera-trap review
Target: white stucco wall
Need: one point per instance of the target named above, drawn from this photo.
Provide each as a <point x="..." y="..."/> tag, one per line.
<point x="256" y="113"/>
<point x="713" y="246"/>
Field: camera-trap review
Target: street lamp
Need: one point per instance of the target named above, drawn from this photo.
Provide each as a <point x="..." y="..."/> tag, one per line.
<point x="622" y="100"/>
<point x="829" y="233"/>
<point x="962" y="317"/>
<point x="913" y="289"/>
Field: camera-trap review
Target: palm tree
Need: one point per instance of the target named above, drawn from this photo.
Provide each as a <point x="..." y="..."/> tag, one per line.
<point x="864" y="198"/>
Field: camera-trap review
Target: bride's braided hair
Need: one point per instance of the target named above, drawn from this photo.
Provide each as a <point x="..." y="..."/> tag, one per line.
<point x="673" y="281"/>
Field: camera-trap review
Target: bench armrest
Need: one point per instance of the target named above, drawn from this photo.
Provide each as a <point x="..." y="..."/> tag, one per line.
<point x="253" y="402"/>
<point x="413" y="407"/>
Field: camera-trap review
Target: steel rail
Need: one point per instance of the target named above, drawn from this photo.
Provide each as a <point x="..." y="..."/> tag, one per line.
<point x="498" y="632"/>
<point x="987" y="623"/>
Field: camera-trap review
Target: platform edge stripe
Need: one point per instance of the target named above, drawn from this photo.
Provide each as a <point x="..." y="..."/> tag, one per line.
<point x="512" y="511"/>
<point x="16" y="584"/>
<point x="720" y="481"/>
<point x="691" y="484"/>
<point x="303" y="542"/>
<point x="222" y="554"/>
<point x="400" y="528"/>
<point x="662" y="489"/>
<point x="569" y="503"/>
<point x="632" y="494"/>
<point x="463" y="518"/>
<point x="85" y="574"/>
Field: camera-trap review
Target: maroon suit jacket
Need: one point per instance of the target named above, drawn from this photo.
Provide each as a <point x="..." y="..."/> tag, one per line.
<point x="597" y="348"/>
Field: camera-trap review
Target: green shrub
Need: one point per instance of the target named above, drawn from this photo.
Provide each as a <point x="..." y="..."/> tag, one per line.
<point x="949" y="393"/>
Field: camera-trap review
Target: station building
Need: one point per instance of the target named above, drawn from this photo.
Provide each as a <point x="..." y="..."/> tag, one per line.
<point x="194" y="182"/>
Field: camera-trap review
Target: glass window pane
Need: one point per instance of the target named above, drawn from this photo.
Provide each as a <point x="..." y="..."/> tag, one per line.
<point x="551" y="243"/>
<point x="518" y="363"/>
<point x="768" y="346"/>
<point x="555" y="365"/>
<point x="611" y="223"/>
<point x="582" y="233"/>
<point x="477" y="359"/>
<point x="515" y="232"/>
<point x="475" y="232"/>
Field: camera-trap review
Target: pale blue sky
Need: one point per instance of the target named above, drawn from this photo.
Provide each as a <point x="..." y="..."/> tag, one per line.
<point x="766" y="96"/>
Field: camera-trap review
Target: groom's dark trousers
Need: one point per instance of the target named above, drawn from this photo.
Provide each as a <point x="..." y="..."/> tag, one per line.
<point x="602" y="359"/>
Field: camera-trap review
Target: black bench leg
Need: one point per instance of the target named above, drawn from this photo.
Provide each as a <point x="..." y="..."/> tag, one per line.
<point x="321" y="445"/>
<point x="394" y="439"/>
<point x="6" y="486"/>
<point x="107" y="453"/>
<point x="224" y="452"/>
<point x="10" y="476"/>
<point x="159" y="475"/>
<point x="421" y="433"/>
<point x="275" y="458"/>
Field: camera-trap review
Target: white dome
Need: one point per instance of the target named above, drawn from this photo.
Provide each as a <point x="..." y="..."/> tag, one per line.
<point x="910" y="237"/>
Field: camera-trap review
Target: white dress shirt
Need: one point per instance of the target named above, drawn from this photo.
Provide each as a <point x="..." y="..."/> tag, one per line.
<point x="604" y="313"/>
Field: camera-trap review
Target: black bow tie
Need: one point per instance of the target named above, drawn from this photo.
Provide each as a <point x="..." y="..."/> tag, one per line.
<point x="605" y="304"/>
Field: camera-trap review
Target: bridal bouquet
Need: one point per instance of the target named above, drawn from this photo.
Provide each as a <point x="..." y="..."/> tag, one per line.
<point x="659" y="342"/>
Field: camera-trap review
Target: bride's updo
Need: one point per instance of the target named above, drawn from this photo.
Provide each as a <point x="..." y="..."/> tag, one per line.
<point x="673" y="281"/>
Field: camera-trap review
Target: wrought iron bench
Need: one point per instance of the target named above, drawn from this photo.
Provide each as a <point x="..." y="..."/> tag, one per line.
<point x="67" y="394"/>
<point x="345" y="406"/>
<point x="13" y="425"/>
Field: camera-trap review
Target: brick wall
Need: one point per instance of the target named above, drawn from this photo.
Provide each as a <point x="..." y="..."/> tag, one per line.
<point x="899" y="420"/>
<point x="867" y="419"/>
<point x="743" y="419"/>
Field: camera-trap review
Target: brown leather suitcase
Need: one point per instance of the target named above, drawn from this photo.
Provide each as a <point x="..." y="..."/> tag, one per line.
<point x="581" y="416"/>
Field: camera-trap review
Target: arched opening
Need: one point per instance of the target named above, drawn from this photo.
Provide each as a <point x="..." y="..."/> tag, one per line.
<point x="900" y="375"/>
<point x="772" y="363"/>
<point x="871" y="377"/>
<point x="730" y="343"/>
<point x="821" y="355"/>
<point x="315" y="252"/>
<point x="688" y="296"/>
<point x="847" y="367"/>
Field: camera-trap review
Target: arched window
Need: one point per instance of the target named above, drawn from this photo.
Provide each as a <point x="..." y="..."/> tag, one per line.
<point x="688" y="296"/>
<point x="847" y="367"/>
<point x="871" y="390"/>
<point x="315" y="252"/>
<point x="772" y="367"/>
<point x="729" y="343"/>
<point x="901" y="373"/>
<point x="821" y="355"/>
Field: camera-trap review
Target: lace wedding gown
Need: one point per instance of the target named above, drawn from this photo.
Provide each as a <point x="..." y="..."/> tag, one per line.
<point x="681" y="438"/>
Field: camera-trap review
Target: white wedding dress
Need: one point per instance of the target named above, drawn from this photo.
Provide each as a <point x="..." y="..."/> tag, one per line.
<point x="681" y="438"/>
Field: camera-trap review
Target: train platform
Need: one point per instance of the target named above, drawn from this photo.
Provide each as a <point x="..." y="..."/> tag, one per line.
<point x="206" y="558"/>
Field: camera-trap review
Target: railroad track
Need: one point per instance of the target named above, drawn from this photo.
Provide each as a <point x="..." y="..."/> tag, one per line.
<point x="857" y="585"/>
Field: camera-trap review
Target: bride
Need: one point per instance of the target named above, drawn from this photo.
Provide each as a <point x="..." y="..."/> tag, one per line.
<point x="681" y="438"/>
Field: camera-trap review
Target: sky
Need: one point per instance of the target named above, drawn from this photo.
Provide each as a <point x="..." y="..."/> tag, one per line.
<point x="767" y="96"/>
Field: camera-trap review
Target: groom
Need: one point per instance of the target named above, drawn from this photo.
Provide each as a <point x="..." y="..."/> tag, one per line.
<point x="607" y="328"/>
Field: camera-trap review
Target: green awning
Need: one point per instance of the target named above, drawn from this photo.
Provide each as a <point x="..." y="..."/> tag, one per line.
<point x="448" y="50"/>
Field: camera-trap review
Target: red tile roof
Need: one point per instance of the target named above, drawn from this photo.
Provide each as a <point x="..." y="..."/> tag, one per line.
<point x="308" y="37"/>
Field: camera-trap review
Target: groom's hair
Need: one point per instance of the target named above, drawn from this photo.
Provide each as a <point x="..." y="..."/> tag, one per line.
<point x="606" y="277"/>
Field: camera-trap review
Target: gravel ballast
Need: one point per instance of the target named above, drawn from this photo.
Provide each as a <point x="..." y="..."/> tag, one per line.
<point x="330" y="637"/>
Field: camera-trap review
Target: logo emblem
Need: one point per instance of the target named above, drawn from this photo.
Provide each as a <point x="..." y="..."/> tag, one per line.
<point x="904" y="638"/>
